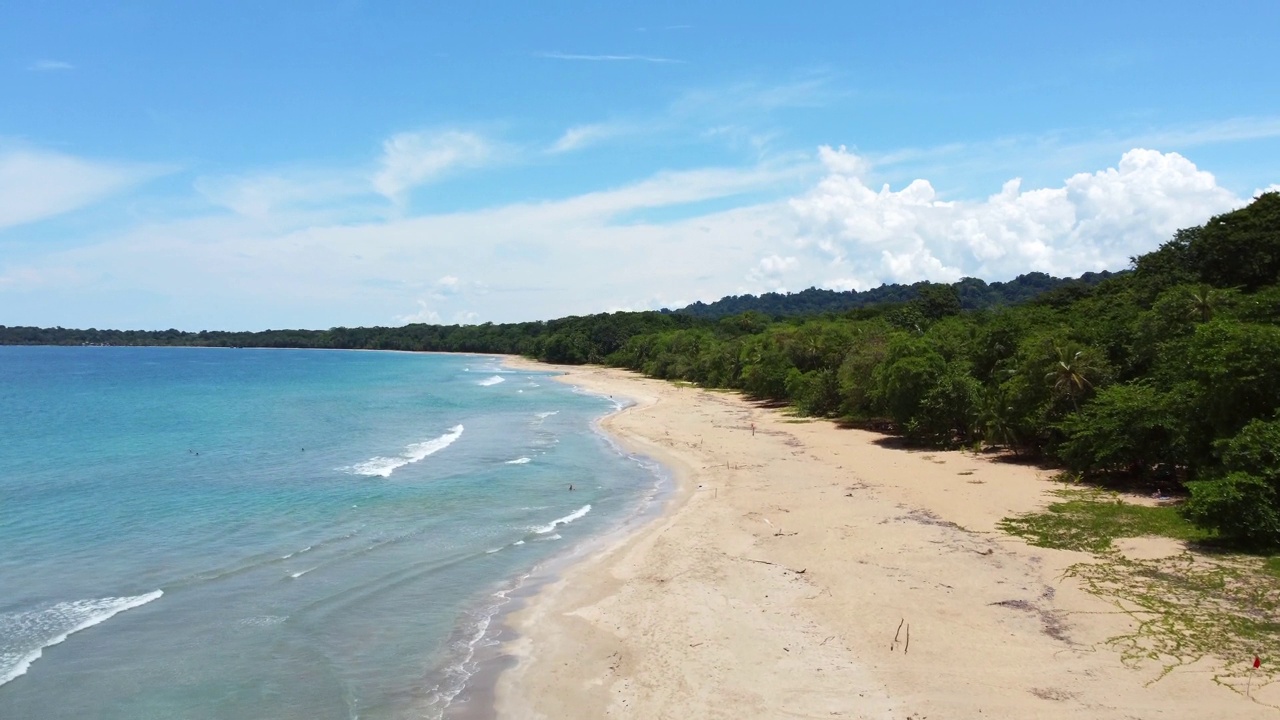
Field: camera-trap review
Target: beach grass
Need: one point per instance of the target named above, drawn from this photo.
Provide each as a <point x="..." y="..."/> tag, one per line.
<point x="1089" y="520"/>
<point x="1196" y="605"/>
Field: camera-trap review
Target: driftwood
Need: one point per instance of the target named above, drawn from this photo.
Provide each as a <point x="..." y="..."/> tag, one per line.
<point x="897" y="633"/>
<point x="801" y="571"/>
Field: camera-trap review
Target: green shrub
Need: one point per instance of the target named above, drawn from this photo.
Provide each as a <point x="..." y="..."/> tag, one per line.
<point x="1243" y="508"/>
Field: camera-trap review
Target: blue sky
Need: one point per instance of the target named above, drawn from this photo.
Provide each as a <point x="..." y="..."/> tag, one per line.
<point x="312" y="164"/>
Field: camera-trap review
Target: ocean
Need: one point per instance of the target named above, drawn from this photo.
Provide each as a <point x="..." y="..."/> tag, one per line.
<point x="241" y="533"/>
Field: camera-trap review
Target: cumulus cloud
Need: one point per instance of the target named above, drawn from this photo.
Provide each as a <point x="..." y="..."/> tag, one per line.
<point x="410" y="159"/>
<point x="423" y="314"/>
<point x="770" y="270"/>
<point x="37" y="184"/>
<point x="1094" y="221"/>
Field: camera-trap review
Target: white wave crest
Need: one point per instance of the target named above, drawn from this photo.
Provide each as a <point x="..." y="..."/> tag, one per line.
<point x="300" y="573"/>
<point x="298" y="552"/>
<point x="543" y="530"/>
<point x="384" y="466"/>
<point x="492" y="380"/>
<point x="545" y="415"/>
<point x="25" y="635"/>
<point x="518" y="461"/>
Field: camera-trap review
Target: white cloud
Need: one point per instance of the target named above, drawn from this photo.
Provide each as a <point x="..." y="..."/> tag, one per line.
<point x="581" y="136"/>
<point x="601" y="250"/>
<point x="424" y="314"/>
<point x="262" y="194"/>
<point x="750" y="98"/>
<point x="410" y="159"/>
<point x="775" y="265"/>
<point x="770" y="270"/>
<point x="37" y="184"/>
<point x="24" y="278"/>
<point x="677" y="188"/>
<point x="1051" y="155"/>
<point x="516" y="262"/>
<point x="50" y="66"/>
<point x="447" y="287"/>
<point x="1094" y="221"/>
<point x="407" y="160"/>
<point x="607" y="58"/>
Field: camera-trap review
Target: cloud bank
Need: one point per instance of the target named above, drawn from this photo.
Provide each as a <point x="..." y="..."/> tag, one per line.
<point x="1094" y="221"/>
<point x="315" y="247"/>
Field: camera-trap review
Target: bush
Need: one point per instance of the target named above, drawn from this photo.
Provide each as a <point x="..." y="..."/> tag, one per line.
<point x="1125" y="427"/>
<point x="1255" y="450"/>
<point x="1243" y="508"/>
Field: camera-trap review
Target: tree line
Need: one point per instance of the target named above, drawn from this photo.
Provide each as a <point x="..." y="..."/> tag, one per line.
<point x="974" y="293"/>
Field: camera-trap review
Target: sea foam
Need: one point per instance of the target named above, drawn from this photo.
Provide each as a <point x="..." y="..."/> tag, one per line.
<point x="491" y="380"/>
<point x="384" y="466"/>
<point x="25" y="635"/>
<point x="519" y="461"/>
<point x="549" y="527"/>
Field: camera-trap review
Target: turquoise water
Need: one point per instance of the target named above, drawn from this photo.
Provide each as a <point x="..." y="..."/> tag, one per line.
<point x="217" y="533"/>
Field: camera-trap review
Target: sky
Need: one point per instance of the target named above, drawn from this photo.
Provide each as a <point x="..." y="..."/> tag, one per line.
<point x="322" y="163"/>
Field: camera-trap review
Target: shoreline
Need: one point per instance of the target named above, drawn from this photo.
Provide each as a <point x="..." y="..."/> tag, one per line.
<point x="799" y="569"/>
<point x="491" y="659"/>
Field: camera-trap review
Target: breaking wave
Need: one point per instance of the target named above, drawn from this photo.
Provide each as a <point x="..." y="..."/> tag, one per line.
<point x="544" y="529"/>
<point x="25" y="635"/>
<point x="384" y="466"/>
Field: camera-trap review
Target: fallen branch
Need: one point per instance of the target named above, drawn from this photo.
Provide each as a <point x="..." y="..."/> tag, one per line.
<point x="801" y="571"/>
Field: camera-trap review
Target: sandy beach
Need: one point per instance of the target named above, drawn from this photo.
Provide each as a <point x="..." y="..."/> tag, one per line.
<point x="803" y="570"/>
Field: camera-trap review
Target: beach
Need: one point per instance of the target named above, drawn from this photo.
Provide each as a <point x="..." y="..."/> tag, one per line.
<point x="804" y="570"/>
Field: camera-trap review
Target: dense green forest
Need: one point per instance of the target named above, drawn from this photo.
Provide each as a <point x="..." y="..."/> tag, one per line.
<point x="1168" y="374"/>
<point x="974" y="295"/>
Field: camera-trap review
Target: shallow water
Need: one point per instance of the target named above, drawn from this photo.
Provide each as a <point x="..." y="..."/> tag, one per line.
<point x="211" y="533"/>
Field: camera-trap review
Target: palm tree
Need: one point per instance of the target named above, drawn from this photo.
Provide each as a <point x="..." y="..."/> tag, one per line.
<point x="997" y="422"/>
<point x="1070" y="373"/>
<point x="1201" y="302"/>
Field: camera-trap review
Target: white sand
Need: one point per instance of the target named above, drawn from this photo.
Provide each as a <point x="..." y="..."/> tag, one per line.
<point x="704" y="613"/>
